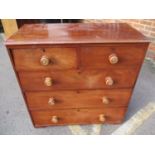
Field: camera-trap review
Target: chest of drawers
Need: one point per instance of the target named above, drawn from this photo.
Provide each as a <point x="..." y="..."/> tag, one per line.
<point x="77" y="73"/>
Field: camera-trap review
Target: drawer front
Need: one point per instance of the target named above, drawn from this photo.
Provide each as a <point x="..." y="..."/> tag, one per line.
<point x="78" y="116"/>
<point x="73" y="79"/>
<point x="45" y="59"/>
<point x="77" y="99"/>
<point x="112" y="56"/>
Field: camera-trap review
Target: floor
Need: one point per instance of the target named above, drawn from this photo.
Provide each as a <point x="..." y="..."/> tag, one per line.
<point x="14" y="118"/>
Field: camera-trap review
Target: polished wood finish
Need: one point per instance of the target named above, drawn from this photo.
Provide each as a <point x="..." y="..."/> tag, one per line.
<point x="90" y="57"/>
<point x="76" y="79"/>
<point x="79" y="33"/>
<point x="59" y="58"/>
<point x="78" y="116"/>
<point x="98" y="57"/>
<point x="77" y="99"/>
<point x="77" y="73"/>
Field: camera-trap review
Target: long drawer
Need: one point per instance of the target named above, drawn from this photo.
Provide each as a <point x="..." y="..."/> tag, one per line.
<point x="78" y="116"/>
<point x="74" y="79"/>
<point x="77" y="99"/>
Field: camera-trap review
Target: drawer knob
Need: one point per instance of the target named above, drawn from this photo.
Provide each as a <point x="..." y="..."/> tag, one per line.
<point x="109" y="81"/>
<point x="105" y="100"/>
<point x="44" y="60"/>
<point x="51" y="101"/>
<point x="54" y="119"/>
<point x="48" y="81"/>
<point x="102" y="118"/>
<point x="113" y="58"/>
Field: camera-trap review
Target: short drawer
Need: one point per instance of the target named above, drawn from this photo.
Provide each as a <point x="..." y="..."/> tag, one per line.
<point x="78" y="116"/>
<point x="112" y="56"/>
<point x="74" y="79"/>
<point x="77" y="99"/>
<point x="45" y="59"/>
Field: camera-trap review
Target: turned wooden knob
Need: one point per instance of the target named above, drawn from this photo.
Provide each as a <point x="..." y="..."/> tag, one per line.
<point x="44" y="60"/>
<point x="102" y="118"/>
<point x="109" y="81"/>
<point x="54" y="119"/>
<point x="51" y="101"/>
<point x="105" y="100"/>
<point x="113" y="59"/>
<point x="48" y="81"/>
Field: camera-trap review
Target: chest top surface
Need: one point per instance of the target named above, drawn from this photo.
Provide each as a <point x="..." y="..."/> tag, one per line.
<point x="79" y="33"/>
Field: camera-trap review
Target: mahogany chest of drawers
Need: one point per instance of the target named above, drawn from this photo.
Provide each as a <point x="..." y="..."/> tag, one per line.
<point x="77" y="73"/>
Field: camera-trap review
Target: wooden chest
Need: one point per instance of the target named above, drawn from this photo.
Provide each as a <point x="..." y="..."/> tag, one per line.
<point x="77" y="73"/>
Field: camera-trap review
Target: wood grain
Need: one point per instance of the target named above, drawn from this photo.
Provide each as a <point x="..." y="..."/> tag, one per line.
<point x="78" y="116"/>
<point x="60" y="58"/>
<point x="77" y="99"/>
<point x="79" y="33"/>
<point x="78" y="79"/>
<point x="69" y="64"/>
<point x="98" y="57"/>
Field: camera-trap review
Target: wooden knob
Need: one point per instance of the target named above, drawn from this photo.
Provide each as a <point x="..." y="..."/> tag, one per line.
<point x="113" y="59"/>
<point x="51" y="101"/>
<point x="102" y="118"/>
<point x="48" y="81"/>
<point x="109" y="81"/>
<point x="44" y="60"/>
<point x="105" y="100"/>
<point x="54" y="119"/>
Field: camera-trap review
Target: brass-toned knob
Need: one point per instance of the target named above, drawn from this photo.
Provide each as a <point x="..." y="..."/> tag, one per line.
<point x="109" y="81"/>
<point x="54" y="119"/>
<point x="113" y="58"/>
<point x="44" y="60"/>
<point x="105" y="100"/>
<point x="102" y="118"/>
<point x="48" y="81"/>
<point x="51" y="101"/>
